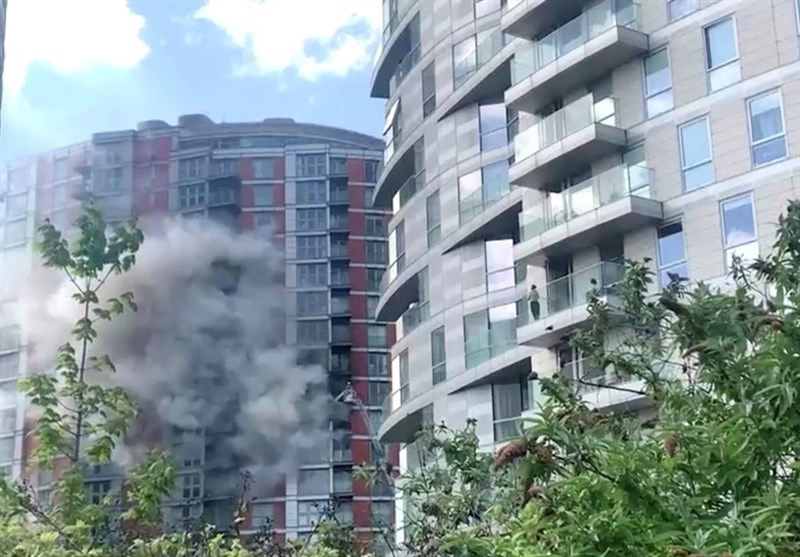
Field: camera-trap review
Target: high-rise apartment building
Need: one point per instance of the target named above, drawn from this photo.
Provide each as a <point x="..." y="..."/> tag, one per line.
<point x="540" y="142"/>
<point x="3" y="9"/>
<point x="307" y="186"/>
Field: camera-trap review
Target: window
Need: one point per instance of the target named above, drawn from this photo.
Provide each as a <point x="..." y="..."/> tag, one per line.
<point x="9" y="337"/>
<point x="681" y="8"/>
<point x="377" y="393"/>
<point x="224" y="167"/>
<point x="313" y="482"/>
<point x="338" y="218"/>
<point x="15" y="232"/>
<point x="767" y="133"/>
<point x="696" y="155"/>
<point x="311" y="165"/>
<point x="492" y="122"/>
<point x="261" y="513"/>
<point x="338" y="166"/>
<point x="740" y="237"/>
<point x="191" y="195"/>
<point x="263" y="195"/>
<point x="342" y="451"/>
<point x="376" y="336"/>
<point x="722" y="54"/>
<point x="344" y="509"/>
<point x="8" y="394"/>
<point x="377" y="364"/>
<point x="7" y="449"/>
<point x="9" y="366"/>
<point x="339" y="248"/>
<point x="377" y="252"/>
<point x="312" y="274"/>
<point x="310" y="512"/>
<point x="382" y="513"/>
<point x="340" y="333"/>
<point x="312" y="247"/>
<point x="429" y="89"/>
<point x="372" y="306"/>
<point x="62" y="168"/>
<point x="20" y="178"/>
<point x="509" y="401"/>
<point x="671" y="253"/>
<point x="60" y="196"/>
<point x="369" y="193"/>
<point x="434" y="219"/>
<point x="340" y="276"/>
<point x="371" y="172"/>
<point x="465" y="61"/>
<point x="108" y="180"/>
<point x="375" y="226"/>
<point x="262" y="223"/>
<point x="489" y="333"/>
<point x="310" y="192"/>
<point x="658" y="83"/>
<point x="312" y="303"/>
<point x="16" y="206"/>
<point x="97" y="491"/>
<point x="189" y="169"/>
<point x="374" y="277"/>
<point x="264" y="169"/>
<point x="338" y="188"/>
<point x="312" y="332"/>
<point x="499" y="265"/>
<point x="485" y="7"/>
<point x="311" y="219"/>
<point x="438" y="358"/>
<point x="397" y="249"/>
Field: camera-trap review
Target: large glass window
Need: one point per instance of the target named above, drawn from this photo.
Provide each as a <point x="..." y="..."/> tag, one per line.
<point x="189" y="169"/>
<point x="312" y="303"/>
<point x="509" y="401"/>
<point x="374" y="277"/>
<point x="262" y="513"/>
<point x="191" y="195"/>
<point x="312" y="332"/>
<point x="377" y="392"/>
<point x="489" y="333"/>
<point x="264" y="169"/>
<point x="429" y="89"/>
<point x="681" y="8"/>
<point x="310" y="513"/>
<point x="671" y="253"/>
<point x="658" y="83"/>
<point x="402" y="366"/>
<point x="767" y="133"/>
<point x="740" y="236"/>
<point x="696" y="154"/>
<point x="375" y="226"/>
<point x="371" y="170"/>
<point x="311" y="165"/>
<point x="377" y="364"/>
<point x="434" y="219"/>
<point x="313" y="482"/>
<point x="722" y="54"/>
<point x="438" y="357"/>
<point x="263" y="195"/>
<point x="465" y="61"/>
<point x="376" y="336"/>
<point x="377" y="252"/>
<point x="492" y="122"/>
<point x="311" y="219"/>
<point x="311" y="192"/>
<point x="499" y="264"/>
<point x="312" y="247"/>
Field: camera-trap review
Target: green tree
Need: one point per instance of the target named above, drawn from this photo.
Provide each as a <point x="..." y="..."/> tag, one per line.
<point x="711" y="470"/>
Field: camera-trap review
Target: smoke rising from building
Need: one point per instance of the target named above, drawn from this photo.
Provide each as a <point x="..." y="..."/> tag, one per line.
<point x="206" y="348"/>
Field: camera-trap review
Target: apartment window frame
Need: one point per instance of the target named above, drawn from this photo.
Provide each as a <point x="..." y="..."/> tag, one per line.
<point x="665" y="267"/>
<point x="310" y="221"/>
<point x="313" y="482"/>
<point x="193" y="168"/>
<point x="658" y="94"/>
<point x="377" y="364"/>
<point x="460" y="78"/>
<point x="375" y="226"/>
<point x="709" y="161"/>
<point x="319" y="249"/>
<point x="377" y="392"/>
<point x="767" y="140"/>
<point x="486" y="139"/>
<point x="377" y="252"/>
<point x="319" y="328"/>
<point x="371" y="167"/>
<point x="191" y="196"/>
<point x="521" y="396"/>
<point x="734" y="249"/>
<point x="374" y="278"/>
<point x="262" y="513"/>
<point x="372" y="329"/>
<point x="693" y="7"/>
<point x="312" y="303"/>
<point x="338" y="166"/>
<point x="438" y="356"/>
<point x="264" y="168"/>
<point x="17" y="205"/>
<point x="429" y="97"/>
<point x="310" y="192"/>
<point x="309" y="512"/>
<point x="727" y="64"/>
<point x="433" y="209"/>
<point x="308" y="165"/>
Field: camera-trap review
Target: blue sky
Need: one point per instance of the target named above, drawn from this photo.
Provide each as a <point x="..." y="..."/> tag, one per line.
<point x="95" y="65"/>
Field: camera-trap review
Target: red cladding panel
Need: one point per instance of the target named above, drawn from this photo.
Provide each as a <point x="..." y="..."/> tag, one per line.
<point x="358" y="360"/>
<point x="246" y="221"/>
<point x="356" y="170"/>
<point x="279" y="170"/>
<point x="279" y="193"/>
<point x="44" y="172"/>
<point x="361" y="510"/>
<point x="356" y="196"/>
<point x="358" y="278"/>
<point x="357" y="250"/>
<point x="358" y="307"/>
<point x="358" y="332"/>
<point x="358" y="427"/>
<point x="246" y="169"/>
<point x="391" y="335"/>
<point x="279" y="222"/>
<point x="357" y="223"/>
<point x="246" y="195"/>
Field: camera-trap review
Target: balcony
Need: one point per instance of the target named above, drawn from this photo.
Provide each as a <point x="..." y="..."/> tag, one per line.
<point x="403" y="158"/>
<point x="579" y="52"/>
<point x="396" y="57"/>
<point x="399" y="289"/>
<point x="407" y="191"/>
<point x="413" y="317"/>
<point x="529" y="18"/>
<point x="606" y="205"/>
<point x="554" y="147"/>
<point x="563" y="303"/>
<point x="485" y="213"/>
<point x="485" y="76"/>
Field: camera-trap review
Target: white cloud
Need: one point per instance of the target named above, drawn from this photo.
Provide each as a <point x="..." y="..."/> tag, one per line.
<point x="275" y="33"/>
<point x="70" y="36"/>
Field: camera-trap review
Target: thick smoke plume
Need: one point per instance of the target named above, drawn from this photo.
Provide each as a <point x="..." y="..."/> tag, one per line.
<point x="206" y="348"/>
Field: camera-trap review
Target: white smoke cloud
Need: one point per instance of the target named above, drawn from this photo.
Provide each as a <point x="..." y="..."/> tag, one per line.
<point x="206" y="349"/>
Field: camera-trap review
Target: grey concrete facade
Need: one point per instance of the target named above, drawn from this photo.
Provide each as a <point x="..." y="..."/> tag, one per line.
<point x="657" y="129"/>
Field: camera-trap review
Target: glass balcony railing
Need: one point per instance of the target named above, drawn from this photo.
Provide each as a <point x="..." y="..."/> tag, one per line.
<point x="511" y="4"/>
<point x="394" y="18"/>
<point x="484" y="52"/>
<point x="580" y="199"/>
<point x="572" y="118"/>
<point x="499" y="338"/>
<point x="392" y="145"/>
<point x="404" y="68"/>
<point x="394" y="269"/>
<point x="396" y="399"/>
<point x="407" y="190"/>
<point x="574" y="290"/>
<point x="573" y="34"/>
<point x="476" y="202"/>
<point x="417" y="313"/>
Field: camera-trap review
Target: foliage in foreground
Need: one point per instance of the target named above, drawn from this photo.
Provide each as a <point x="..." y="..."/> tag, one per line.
<point x="710" y="470"/>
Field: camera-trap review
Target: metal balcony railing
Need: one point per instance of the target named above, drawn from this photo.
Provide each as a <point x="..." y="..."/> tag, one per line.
<point x="572" y="118"/>
<point x="476" y="202"/>
<point x="585" y="197"/>
<point x="573" y="34"/>
<point x="574" y="290"/>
